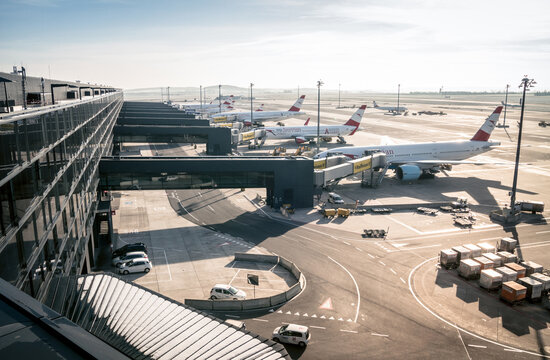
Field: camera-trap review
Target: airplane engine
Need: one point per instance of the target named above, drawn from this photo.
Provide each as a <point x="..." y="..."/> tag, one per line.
<point x="408" y="172"/>
<point x="300" y="139"/>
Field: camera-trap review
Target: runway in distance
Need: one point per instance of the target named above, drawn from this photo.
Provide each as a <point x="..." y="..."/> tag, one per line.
<point x="411" y="161"/>
<point x="302" y="134"/>
<point x="511" y="105"/>
<point x="260" y="116"/>
<point x="393" y="109"/>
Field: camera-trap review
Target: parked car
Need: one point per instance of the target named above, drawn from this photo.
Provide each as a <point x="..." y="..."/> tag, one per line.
<point x="292" y="334"/>
<point x="136" y="265"/>
<point x="335" y="198"/>
<point x="223" y="291"/>
<point x="129" y="248"/>
<point x="129" y="256"/>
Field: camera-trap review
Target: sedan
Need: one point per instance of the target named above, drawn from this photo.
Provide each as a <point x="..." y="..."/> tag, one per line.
<point x="129" y="256"/>
<point x="136" y="265"/>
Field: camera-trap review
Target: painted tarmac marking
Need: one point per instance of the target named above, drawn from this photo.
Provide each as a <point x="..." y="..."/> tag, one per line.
<point x="348" y="331"/>
<point x="416" y="248"/>
<point x="402" y="280"/>
<point x="405" y="225"/>
<point x="262" y="320"/>
<point x="381" y="335"/>
<point x="345" y="242"/>
<point x="167" y="265"/>
<point x="477" y="346"/>
<point x="393" y="271"/>
<point x="358" y="249"/>
<point x="542" y="232"/>
<point x="370" y="256"/>
<point x="381" y="263"/>
<point x="465" y="348"/>
<point x="318" y="327"/>
<point x="234" y="276"/>
<point x="356" y="288"/>
<point x="211" y="208"/>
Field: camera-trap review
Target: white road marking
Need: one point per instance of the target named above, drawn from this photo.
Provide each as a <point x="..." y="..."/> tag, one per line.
<point x="402" y="280"/>
<point x="345" y="242"/>
<point x="358" y="249"/>
<point x="234" y="276"/>
<point x="405" y="225"/>
<point x="477" y="346"/>
<point x="416" y="248"/>
<point x="349" y="331"/>
<point x="318" y="327"/>
<point x="376" y="334"/>
<point x="211" y="208"/>
<point x="506" y="347"/>
<point x="167" y="265"/>
<point x="356" y="288"/>
<point x="542" y="232"/>
<point x="188" y="213"/>
<point x="393" y="271"/>
<point x="491" y="238"/>
<point x="370" y="256"/>
<point x="465" y="348"/>
<point x="381" y="263"/>
<point x="263" y="320"/>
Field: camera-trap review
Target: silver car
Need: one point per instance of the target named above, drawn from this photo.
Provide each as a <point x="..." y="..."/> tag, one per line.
<point x="135" y="265"/>
<point x="129" y="256"/>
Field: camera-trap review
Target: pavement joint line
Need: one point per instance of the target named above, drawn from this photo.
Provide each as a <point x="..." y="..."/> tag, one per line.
<point x="506" y="347"/>
<point x="348" y="331"/>
<point x="356" y="287"/>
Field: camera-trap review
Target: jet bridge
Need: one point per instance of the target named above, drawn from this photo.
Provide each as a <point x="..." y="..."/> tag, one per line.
<point x="332" y="169"/>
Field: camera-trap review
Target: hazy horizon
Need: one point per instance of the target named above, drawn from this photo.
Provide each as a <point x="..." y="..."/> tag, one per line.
<point x="363" y="45"/>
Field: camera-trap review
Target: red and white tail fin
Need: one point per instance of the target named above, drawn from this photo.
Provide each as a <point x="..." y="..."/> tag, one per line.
<point x="486" y="129"/>
<point x="307" y="122"/>
<point x="355" y="119"/>
<point x="260" y="108"/>
<point x="298" y="104"/>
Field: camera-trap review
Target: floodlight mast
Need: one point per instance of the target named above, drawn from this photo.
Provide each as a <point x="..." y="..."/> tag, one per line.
<point x="319" y="84"/>
<point x="526" y="83"/>
<point x="251" y="105"/>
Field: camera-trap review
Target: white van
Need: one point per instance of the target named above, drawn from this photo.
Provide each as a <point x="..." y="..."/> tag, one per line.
<point x="292" y="334"/>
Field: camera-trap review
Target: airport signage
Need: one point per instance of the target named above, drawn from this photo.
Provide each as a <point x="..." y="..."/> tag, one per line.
<point x="319" y="164"/>
<point x="253" y="279"/>
<point x="362" y="165"/>
<point x="249" y="135"/>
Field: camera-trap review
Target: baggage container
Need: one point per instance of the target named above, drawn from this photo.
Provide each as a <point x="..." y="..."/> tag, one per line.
<point x="544" y="280"/>
<point x="490" y="279"/>
<point x="462" y="253"/>
<point x="485" y="263"/>
<point x="448" y="258"/>
<point x="507" y="257"/>
<point x="487" y="248"/>
<point x="507" y="274"/>
<point x="469" y="269"/>
<point x="520" y="270"/>
<point x="534" y="288"/>
<point x="497" y="260"/>
<point x="531" y="268"/>
<point x="507" y="244"/>
<point x="343" y="212"/>
<point x="329" y="212"/>
<point x="532" y="206"/>
<point x="512" y="292"/>
<point x="476" y="250"/>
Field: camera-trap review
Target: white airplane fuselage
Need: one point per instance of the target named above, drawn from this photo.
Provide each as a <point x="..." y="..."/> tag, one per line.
<point x="289" y="132"/>
<point x="258" y="116"/>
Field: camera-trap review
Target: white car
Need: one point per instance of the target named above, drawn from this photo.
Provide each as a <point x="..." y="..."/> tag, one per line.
<point x="292" y="334"/>
<point x="223" y="291"/>
<point x="135" y="265"/>
<point x="128" y="256"/>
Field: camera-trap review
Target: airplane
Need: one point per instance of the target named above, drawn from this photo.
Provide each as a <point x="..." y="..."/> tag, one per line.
<point x="302" y="134"/>
<point x="415" y="160"/>
<point x="510" y="105"/>
<point x="393" y="109"/>
<point x="196" y="106"/>
<point x="260" y="116"/>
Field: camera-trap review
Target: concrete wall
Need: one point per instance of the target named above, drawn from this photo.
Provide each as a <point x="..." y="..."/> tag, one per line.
<point x="259" y="303"/>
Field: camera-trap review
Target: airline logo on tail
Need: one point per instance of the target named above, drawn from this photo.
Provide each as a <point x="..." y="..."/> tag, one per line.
<point x="355" y="119"/>
<point x="307" y="122"/>
<point x="298" y="104"/>
<point x="486" y="129"/>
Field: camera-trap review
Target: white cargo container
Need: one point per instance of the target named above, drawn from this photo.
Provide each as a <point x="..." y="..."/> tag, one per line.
<point x="485" y="263"/>
<point x="534" y="288"/>
<point x="531" y="267"/>
<point x="462" y="253"/>
<point x="448" y="258"/>
<point x="476" y="250"/>
<point x="507" y="244"/>
<point x="507" y="257"/>
<point x="494" y="258"/>
<point x="490" y="279"/>
<point x="507" y="274"/>
<point x="487" y="248"/>
<point x="469" y="269"/>
<point x="543" y="279"/>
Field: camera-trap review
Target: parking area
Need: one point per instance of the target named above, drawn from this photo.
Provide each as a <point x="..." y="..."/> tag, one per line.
<point x="188" y="259"/>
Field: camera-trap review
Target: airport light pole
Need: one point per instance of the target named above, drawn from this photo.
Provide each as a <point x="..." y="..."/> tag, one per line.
<point x="505" y="105"/>
<point x="526" y="83"/>
<point x="251" y="105"/>
<point x="398" y="91"/>
<point x="220" y="97"/>
<point x="200" y="97"/>
<point x="319" y="84"/>
<point x="339" y="95"/>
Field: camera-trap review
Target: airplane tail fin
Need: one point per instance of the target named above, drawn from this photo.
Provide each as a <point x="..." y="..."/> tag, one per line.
<point x="355" y="119"/>
<point x="307" y="122"/>
<point x="298" y="104"/>
<point x="260" y="108"/>
<point x="486" y="129"/>
<point x="374" y="104"/>
<point x="502" y="102"/>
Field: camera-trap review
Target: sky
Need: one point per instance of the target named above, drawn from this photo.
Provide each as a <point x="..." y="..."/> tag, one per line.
<point x="362" y="45"/>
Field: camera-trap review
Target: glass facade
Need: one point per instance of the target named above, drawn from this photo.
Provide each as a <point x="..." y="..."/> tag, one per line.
<point x="48" y="189"/>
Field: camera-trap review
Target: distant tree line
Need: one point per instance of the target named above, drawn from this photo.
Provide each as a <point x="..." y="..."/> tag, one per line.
<point x="542" y="93"/>
<point x="459" y="92"/>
